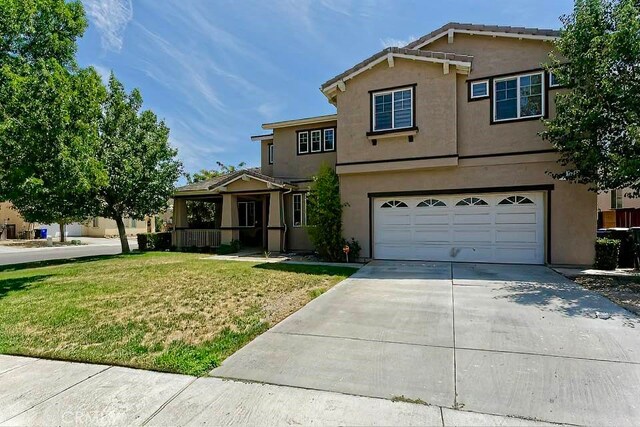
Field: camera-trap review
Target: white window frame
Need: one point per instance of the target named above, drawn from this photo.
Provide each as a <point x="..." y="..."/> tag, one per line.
<point x="552" y="77"/>
<point x="246" y="213"/>
<point x="486" y="85"/>
<point x="308" y="142"/>
<point x="319" y="133"/>
<point x="518" y="77"/>
<point x="303" y="211"/>
<point x="270" y="153"/>
<point x="324" y="139"/>
<point x="617" y="199"/>
<point x="393" y="112"/>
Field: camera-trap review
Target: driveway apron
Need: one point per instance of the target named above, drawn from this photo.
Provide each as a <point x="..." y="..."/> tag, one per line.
<point x="499" y="339"/>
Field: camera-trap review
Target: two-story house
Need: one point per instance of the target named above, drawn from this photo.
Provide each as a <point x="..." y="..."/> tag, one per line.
<point x="437" y="149"/>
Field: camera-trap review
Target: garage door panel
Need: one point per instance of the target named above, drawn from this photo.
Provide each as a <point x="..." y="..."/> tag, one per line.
<point x="431" y="219"/>
<point x="421" y="229"/>
<point x="516" y="218"/>
<point x="516" y="236"/>
<point x="477" y="235"/>
<point x="397" y="219"/>
<point x="472" y="217"/>
<point x="431" y="235"/>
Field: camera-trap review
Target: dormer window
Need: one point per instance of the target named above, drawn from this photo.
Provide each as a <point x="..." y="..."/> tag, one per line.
<point x="393" y="109"/>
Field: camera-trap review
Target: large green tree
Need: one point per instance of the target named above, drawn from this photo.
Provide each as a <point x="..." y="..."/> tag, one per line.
<point x="140" y="164"/>
<point x="48" y="112"/>
<point x="324" y="214"/>
<point x="597" y="126"/>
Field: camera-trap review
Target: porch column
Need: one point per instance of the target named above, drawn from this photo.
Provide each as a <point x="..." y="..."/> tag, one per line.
<point x="229" y="218"/>
<point x="180" y="213"/>
<point x="275" y="226"/>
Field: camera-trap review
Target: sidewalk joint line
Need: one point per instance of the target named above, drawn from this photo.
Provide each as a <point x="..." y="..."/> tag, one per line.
<point x="168" y="401"/>
<point x="58" y="393"/>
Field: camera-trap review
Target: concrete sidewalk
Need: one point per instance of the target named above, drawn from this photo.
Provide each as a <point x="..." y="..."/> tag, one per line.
<point x="36" y="392"/>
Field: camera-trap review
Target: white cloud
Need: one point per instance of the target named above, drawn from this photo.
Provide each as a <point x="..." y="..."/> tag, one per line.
<point x="269" y="109"/>
<point x="111" y="17"/>
<point x="392" y="42"/>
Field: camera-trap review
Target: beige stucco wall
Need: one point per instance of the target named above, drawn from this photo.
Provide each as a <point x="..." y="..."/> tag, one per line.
<point x="9" y="215"/>
<point x="287" y="163"/>
<point x="435" y="97"/>
<point x="265" y="167"/>
<point x="493" y="56"/>
<point x="108" y="228"/>
<point x="573" y="215"/>
<point x="297" y="238"/>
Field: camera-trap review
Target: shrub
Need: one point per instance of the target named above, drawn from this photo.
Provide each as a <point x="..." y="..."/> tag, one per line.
<point x="154" y="241"/>
<point x="231" y="248"/>
<point x="324" y="215"/>
<point x="354" y="249"/>
<point x="607" y="251"/>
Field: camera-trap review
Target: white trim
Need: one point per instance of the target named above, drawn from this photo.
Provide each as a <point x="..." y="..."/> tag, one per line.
<point x="462" y="65"/>
<point x="226" y="184"/>
<point x="393" y="111"/>
<point x="319" y="133"/>
<point x="324" y="139"/>
<point x="518" y="77"/>
<point x="303" y="216"/>
<point x="451" y="31"/>
<point x="556" y="84"/>
<point x="300" y="122"/>
<point x="259" y="138"/>
<point x="486" y="85"/>
<point x="270" y="153"/>
<point x="305" y="132"/>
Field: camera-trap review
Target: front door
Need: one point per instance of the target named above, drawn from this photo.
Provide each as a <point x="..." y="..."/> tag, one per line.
<point x="11" y="231"/>
<point x="250" y="221"/>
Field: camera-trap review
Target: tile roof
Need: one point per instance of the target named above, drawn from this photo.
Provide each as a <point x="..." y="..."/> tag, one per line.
<point x="220" y="180"/>
<point x="488" y="28"/>
<point x="402" y="51"/>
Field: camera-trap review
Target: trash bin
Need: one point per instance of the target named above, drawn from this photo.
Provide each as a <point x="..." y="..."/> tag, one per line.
<point x="43" y="233"/>
<point x="635" y="235"/>
<point x="36" y="233"/>
<point x="625" y="259"/>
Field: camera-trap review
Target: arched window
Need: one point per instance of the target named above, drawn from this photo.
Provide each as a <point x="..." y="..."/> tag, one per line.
<point x="431" y="203"/>
<point x="394" y="204"/>
<point x="472" y="201"/>
<point x="516" y="200"/>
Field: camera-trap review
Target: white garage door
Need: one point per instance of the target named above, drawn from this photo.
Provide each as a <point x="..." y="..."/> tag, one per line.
<point x="506" y="228"/>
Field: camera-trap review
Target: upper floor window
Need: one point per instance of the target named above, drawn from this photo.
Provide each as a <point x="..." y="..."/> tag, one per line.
<point x="303" y="142"/>
<point x="553" y="80"/>
<point x="393" y="109"/>
<point x="616" y="199"/>
<point x="270" y="148"/>
<point x="329" y="139"/>
<point x="518" y="97"/>
<point x="316" y="140"/>
<point x="479" y="89"/>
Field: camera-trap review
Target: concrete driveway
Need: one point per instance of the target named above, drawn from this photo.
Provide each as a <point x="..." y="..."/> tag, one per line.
<point x="498" y="339"/>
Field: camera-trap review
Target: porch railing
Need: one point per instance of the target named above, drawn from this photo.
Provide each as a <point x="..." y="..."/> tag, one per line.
<point x="201" y="238"/>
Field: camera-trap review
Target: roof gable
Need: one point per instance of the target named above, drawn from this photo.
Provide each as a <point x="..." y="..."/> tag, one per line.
<point x="490" y="30"/>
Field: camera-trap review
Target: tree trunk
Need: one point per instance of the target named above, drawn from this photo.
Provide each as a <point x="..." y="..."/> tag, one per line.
<point x="123" y="235"/>
<point x="62" y="232"/>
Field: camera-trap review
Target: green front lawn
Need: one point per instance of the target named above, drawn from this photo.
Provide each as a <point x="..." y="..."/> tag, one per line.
<point x="164" y="311"/>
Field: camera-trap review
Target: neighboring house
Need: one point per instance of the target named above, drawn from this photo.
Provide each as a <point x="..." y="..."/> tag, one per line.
<point x="12" y="225"/>
<point x="437" y="149"/>
<point x="617" y="209"/>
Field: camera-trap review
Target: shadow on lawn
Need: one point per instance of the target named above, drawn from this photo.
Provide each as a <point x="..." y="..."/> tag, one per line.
<point x="54" y="262"/>
<point x="20" y="283"/>
<point x="321" y="270"/>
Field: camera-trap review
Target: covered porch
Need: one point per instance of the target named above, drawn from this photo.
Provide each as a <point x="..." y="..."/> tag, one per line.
<point x="243" y="206"/>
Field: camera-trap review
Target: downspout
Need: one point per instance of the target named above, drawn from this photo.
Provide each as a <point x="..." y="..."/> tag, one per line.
<point x="282" y="220"/>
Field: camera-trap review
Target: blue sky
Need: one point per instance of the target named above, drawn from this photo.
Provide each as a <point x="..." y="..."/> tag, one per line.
<point x="216" y="70"/>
